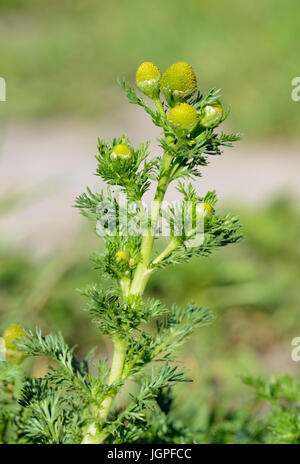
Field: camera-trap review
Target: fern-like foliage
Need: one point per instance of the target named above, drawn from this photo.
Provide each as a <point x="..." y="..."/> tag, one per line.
<point x="73" y="402"/>
<point x="282" y="394"/>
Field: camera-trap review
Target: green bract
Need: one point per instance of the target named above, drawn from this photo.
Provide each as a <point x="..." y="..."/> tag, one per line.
<point x="178" y="82"/>
<point x="211" y="115"/>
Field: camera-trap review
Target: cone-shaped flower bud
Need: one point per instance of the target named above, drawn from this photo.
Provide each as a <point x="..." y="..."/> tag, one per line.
<point x="207" y="210"/>
<point x="122" y="255"/>
<point x="147" y="79"/>
<point x="10" y="335"/>
<point x="178" y="82"/>
<point x="184" y="118"/>
<point x="121" y="152"/>
<point x="211" y="115"/>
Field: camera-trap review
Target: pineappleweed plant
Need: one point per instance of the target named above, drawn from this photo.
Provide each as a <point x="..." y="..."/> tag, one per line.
<point x="73" y="403"/>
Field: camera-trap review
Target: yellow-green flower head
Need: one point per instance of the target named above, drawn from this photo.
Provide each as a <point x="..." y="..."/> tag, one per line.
<point x="122" y="255"/>
<point x="211" y="115"/>
<point x="147" y="79"/>
<point x="10" y="335"/>
<point x="207" y="210"/>
<point x="178" y="82"/>
<point x="121" y="152"/>
<point x="183" y="117"/>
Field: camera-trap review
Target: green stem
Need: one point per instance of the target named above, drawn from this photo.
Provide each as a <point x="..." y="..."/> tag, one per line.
<point x="93" y="436"/>
<point x="174" y="243"/>
<point x="125" y="286"/>
<point x="142" y="272"/>
<point x="159" y="106"/>
<point x="137" y="287"/>
<point x="115" y="374"/>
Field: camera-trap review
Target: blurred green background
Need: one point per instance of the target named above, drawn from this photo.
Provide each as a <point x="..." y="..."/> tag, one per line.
<point x="62" y="57"/>
<point x="60" y="60"/>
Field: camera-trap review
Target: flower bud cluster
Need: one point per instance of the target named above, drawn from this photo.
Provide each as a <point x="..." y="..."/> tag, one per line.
<point x="178" y="83"/>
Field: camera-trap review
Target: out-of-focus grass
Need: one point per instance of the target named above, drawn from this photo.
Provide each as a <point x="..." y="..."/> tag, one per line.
<point x="252" y="287"/>
<point x="62" y="57"/>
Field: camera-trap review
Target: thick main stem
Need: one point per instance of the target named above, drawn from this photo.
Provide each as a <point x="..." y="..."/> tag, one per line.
<point x="115" y="374"/>
<point x="142" y="272"/>
<point x="137" y="287"/>
<point x="93" y="436"/>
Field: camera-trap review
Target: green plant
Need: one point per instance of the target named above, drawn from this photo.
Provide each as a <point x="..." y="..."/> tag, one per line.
<point x="282" y="395"/>
<point x="73" y="403"/>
